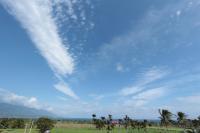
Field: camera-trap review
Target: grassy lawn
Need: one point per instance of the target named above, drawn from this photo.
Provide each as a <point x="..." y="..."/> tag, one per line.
<point x="90" y="130"/>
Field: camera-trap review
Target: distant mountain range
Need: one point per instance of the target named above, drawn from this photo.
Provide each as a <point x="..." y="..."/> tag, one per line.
<point x="16" y="111"/>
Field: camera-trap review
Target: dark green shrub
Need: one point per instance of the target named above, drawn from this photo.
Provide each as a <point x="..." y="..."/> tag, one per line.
<point x="17" y="123"/>
<point x="44" y="124"/>
<point x="4" y="123"/>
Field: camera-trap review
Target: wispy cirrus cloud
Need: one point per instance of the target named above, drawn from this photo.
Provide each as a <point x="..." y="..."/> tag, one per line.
<point x="30" y="102"/>
<point x="36" y="18"/>
<point x="144" y="79"/>
<point x="64" y="88"/>
<point x="146" y="90"/>
<point x="148" y="96"/>
<point x="192" y="99"/>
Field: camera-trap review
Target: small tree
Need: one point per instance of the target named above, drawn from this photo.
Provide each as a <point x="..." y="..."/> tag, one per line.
<point x="144" y="125"/>
<point x="18" y="123"/>
<point x="44" y="124"/>
<point x="94" y="119"/>
<point x="110" y="125"/>
<point x="126" y="123"/>
<point x="103" y="121"/>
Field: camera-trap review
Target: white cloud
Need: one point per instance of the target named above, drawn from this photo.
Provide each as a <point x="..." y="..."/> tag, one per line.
<point x="146" y="96"/>
<point x="30" y="102"/>
<point x="73" y="12"/>
<point x="130" y="90"/>
<point x="36" y="17"/>
<point x="121" y="68"/>
<point x="152" y="75"/>
<point x="145" y="78"/>
<point x="64" y="88"/>
<point x="150" y="94"/>
<point x="178" y="13"/>
<point x="70" y="8"/>
<point x="62" y="98"/>
<point x="194" y="99"/>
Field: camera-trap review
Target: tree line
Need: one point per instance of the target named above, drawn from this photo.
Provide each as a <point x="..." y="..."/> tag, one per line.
<point x="43" y="124"/>
<point x="167" y="119"/>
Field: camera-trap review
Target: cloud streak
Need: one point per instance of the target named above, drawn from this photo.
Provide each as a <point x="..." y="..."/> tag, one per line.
<point x="193" y="99"/>
<point x="36" y="17"/>
<point x="64" y="88"/>
<point x="145" y="97"/>
<point x="146" y="78"/>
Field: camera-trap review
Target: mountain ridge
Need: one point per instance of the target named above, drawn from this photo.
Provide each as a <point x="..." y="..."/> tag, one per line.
<point x="17" y="111"/>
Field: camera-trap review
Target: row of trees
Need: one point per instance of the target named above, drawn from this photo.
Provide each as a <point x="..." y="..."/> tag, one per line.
<point x="166" y="117"/>
<point x="43" y="124"/>
<point x="109" y="124"/>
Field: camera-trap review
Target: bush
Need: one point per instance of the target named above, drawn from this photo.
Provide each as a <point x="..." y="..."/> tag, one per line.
<point x="4" y="123"/>
<point x="18" y="123"/>
<point x="44" y="124"/>
<point x="12" y="123"/>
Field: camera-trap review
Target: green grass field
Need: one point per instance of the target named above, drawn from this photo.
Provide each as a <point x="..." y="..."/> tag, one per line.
<point x="90" y="130"/>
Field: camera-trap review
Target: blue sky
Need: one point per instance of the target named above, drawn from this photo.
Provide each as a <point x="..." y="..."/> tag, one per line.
<point x="78" y="57"/>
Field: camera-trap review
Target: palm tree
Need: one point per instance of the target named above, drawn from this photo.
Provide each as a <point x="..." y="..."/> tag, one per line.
<point x="181" y="118"/>
<point x="144" y="125"/>
<point x="109" y="124"/>
<point x="93" y="116"/>
<point x="165" y="117"/>
<point x="110" y="117"/>
<point x="133" y="124"/>
<point x="126" y="123"/>
<point x="103" y="119"/>
<point x="198" y="118"/>
<point x="94" y="119"/>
